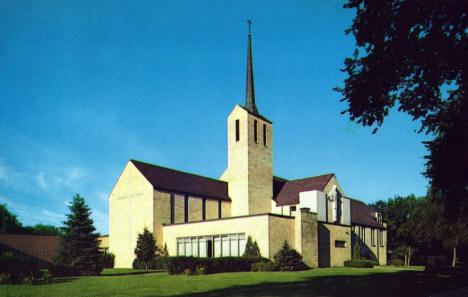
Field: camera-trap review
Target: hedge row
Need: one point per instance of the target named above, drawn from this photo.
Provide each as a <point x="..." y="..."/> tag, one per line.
<point x="360" y="263"/>
<point x="158" y="262"/>
<point x="180" y="265"/>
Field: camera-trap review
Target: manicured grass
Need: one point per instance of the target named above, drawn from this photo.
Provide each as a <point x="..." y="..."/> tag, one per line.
<point x="379" y="281"/>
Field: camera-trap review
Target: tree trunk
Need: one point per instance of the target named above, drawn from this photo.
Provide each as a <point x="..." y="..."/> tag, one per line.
<point x="409" y="255"/>
<point x="406" y="259"/>
<point x="454" y="260"/>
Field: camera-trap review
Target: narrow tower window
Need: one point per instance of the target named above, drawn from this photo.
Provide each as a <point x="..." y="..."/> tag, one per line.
<point x="264" y="135"/>
<point x="255" y="131"/>
<point x="237" y="130"/>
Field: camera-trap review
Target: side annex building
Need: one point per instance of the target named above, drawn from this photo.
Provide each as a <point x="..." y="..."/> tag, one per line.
<point x="203" y="217"/>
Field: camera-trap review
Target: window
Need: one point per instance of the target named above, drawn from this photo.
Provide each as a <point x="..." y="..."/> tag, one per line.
<point x="229" y="245"/>
<point x="373" y="239"/>
<point x="255" y="131"/>
<point x="264" y="135"/>
<point x="381" y="237"/>
<point x="172" y="208"/>
<point x="340" y="243"/>
<point x="219" y="209"/>
<point x="237" y="130"/>
<point x="186" y="208"/>
<point x="291" y="209"/>
<point x="204" y="209"/>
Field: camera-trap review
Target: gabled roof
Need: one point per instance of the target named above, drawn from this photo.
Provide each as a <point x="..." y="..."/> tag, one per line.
<point x="177" y="181"/>
<point x="287" y="192"/>
<point x="361" y="214"/>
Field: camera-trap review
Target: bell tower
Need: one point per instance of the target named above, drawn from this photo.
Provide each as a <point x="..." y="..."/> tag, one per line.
<point x="250" y="153"/>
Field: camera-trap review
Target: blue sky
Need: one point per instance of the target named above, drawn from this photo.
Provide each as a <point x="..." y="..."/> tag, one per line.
<point x="87" y="85"/>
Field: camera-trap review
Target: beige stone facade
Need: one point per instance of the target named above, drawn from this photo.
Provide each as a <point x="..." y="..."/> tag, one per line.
<point x="199" y="216"/>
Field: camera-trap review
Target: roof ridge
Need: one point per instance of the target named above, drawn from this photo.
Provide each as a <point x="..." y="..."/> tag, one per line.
<point x="179" y="171"/>
<point x="299" y="179"/>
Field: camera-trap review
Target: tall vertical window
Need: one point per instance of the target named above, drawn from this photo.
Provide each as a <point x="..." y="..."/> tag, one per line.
<point x="172" y="208"/>
<point x="186" y="208"/>
<point x="373" y="239"/>
<point x="219" y="209"/>
<point x="264" y="135"/>
<point x="237" y="130"/>
<point x="255" y="131"/>
<point x="204" y="209"/>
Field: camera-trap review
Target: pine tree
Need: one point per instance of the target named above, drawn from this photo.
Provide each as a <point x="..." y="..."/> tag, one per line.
<point x="77" y="249"/>
<point x="146" y="247"/>
<point x="289" y="259"/>
<point x="251" y="248"/>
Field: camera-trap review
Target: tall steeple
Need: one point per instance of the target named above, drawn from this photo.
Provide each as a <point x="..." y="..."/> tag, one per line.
<point x="250" y="91"/>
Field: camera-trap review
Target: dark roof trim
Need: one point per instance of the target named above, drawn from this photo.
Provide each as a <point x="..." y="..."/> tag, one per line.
<point x="231" y="218"/>
<point x="256" y="115"/>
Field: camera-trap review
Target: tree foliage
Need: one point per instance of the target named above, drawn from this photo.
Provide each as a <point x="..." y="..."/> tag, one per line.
<point x="77" y="249"/>
<point x="146" y="248"/>
<point x="8" y="221"/>
<point x="251" y="248"/>
<point x="9" y="224"/>
<point x="419" y="226"/>
<point x="413" y="56"/>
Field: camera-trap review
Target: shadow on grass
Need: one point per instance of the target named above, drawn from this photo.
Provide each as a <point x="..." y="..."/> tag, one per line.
<point x="400" y="284"/>
<point x="132" y="273"/>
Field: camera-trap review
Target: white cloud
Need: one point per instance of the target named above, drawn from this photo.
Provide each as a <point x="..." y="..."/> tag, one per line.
<point x="40" y="179"/>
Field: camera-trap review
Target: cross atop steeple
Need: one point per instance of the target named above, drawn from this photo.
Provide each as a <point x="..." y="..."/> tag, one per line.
<point x="250" y="91"/>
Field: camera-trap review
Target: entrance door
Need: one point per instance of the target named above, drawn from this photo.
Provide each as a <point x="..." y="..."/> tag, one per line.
<point x="209" y="248"/>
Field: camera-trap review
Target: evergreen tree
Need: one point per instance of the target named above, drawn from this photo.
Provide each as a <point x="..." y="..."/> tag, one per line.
<point x="251" y="248"/>
<point x="77" y="250"/>
<point x="146" y="247"/>
<point x="289" y="259"/>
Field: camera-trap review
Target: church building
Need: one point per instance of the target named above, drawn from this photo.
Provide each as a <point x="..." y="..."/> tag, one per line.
<point x="204" y="217"/>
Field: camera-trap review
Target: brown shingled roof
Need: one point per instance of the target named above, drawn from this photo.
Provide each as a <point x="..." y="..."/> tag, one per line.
<point x="172" y="180"/>
<point x="288" y="191"/>
<point x="361" y="214"/>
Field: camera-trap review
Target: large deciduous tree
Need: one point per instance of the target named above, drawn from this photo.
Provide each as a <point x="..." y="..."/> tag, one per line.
<point x="413" y="55"/>
<point x="77" y="249"/>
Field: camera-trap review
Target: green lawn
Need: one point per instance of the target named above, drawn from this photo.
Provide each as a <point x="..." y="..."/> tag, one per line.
<point x="379" y="281"/>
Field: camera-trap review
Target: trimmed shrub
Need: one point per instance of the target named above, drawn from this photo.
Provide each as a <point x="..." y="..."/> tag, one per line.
<point x="398" y="262"/>
<point x="251" y="248"/>
<point x="288" y="259"/>
<point x="18" y="268"/>
<point x="107" y="260"/>
<point x="263" y="266"/>
<point x="137" y="264"/>
<point x="359" y="263"/>
<point x="179" y="265"/>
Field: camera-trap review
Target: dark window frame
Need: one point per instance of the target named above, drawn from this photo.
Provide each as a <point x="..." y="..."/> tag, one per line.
<point x="237" y="130"/>
<point x="186" y="210"/>
<point x="340" y="243"/>
<point x="219" y="209"/>
<point x="203" y="209"/>
<point x="264" y="135"/>
<point x="172" y="208"/>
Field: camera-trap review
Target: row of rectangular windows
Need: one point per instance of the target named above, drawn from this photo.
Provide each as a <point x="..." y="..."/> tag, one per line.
<point x="230" y="245"/>
<point x="255" y="132"/>
<point x="186" y="208"/>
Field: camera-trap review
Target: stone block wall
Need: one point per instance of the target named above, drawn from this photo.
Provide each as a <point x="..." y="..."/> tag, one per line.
<point x="330" y="254"/>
